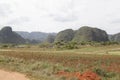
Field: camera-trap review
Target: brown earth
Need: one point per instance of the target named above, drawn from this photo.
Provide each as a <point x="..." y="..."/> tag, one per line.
<point x="6" y="75"/>
<point x="84" y="76"/>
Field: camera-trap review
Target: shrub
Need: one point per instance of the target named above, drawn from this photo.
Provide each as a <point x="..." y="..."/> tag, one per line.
<point x="104" y="73"/>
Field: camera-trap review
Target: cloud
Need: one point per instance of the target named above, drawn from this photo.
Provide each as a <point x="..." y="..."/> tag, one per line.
<point x="18" y="21"/>
<point x="5" y="10"/>
<point x="62" y="18"/>
<point x="65" y="13"/>
<point x="56" y="15"/>
<point x="116" y="21"/>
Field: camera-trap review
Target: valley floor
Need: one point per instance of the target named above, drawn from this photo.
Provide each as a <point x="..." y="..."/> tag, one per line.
<point x="43" y="64"/>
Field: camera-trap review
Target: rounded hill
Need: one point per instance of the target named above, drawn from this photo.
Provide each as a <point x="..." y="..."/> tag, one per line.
<point x="66" y="35"/>
<point x="9" y="36"/>
<point x="90" y="34"/>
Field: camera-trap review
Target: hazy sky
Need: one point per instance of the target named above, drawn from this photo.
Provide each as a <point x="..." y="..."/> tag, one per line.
<point x="57" y="15"/>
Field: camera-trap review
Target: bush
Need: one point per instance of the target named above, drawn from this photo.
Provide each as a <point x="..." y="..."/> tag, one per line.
<point x="66" y="45"/>
<point x="5" y="46"/>
<point x="71" y="45"/>
<point x="46" y="45"/>
<point x="104" y="73"/>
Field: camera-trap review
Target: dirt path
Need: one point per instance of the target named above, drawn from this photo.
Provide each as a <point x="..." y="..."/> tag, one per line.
<point x="5" y="75"/>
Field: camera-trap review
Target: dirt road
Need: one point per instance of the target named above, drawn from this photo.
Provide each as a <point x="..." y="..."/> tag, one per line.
<point x="5" y="75"/>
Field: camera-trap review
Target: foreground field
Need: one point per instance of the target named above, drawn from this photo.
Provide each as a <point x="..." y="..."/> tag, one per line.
<point x="43" y="64"/>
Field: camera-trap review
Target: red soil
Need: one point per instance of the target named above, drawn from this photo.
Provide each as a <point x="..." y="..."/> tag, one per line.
<point x="85" y="76"/>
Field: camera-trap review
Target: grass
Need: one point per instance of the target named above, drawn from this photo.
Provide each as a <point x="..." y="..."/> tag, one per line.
<point x="42" y="64"/>
<point x="33" y="69"/>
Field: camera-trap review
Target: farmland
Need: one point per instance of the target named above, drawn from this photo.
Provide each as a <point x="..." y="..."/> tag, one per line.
<point x="43" y="63"/>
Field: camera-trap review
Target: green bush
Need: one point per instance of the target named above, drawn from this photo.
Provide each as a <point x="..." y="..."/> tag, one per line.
<point x="66" y="45"/>
<point x="5" y="46"/>
<point x="104" y="73"/>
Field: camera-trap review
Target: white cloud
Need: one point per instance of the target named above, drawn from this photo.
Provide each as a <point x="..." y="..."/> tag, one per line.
<point x="56" y="15"/>
<point x="5" y="10"/>
<point x="18" y="21"/>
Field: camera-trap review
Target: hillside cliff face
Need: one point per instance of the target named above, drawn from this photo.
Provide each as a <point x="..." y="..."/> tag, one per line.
<point x="90" y="34"/>
<point x="66" y="35"/>
<point x="83" y="34"/>
<point x="9" y="36"/>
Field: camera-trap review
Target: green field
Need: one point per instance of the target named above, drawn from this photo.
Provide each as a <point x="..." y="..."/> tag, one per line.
<point x="42" y="63"/>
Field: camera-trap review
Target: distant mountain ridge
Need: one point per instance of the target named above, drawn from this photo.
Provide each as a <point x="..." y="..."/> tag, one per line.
<point x="115" y="37"/>
<point x="84" y="33"/>
<point x="38" y="36"/>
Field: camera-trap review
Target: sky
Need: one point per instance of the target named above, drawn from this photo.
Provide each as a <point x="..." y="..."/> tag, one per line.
<point x="57" y="15"/>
